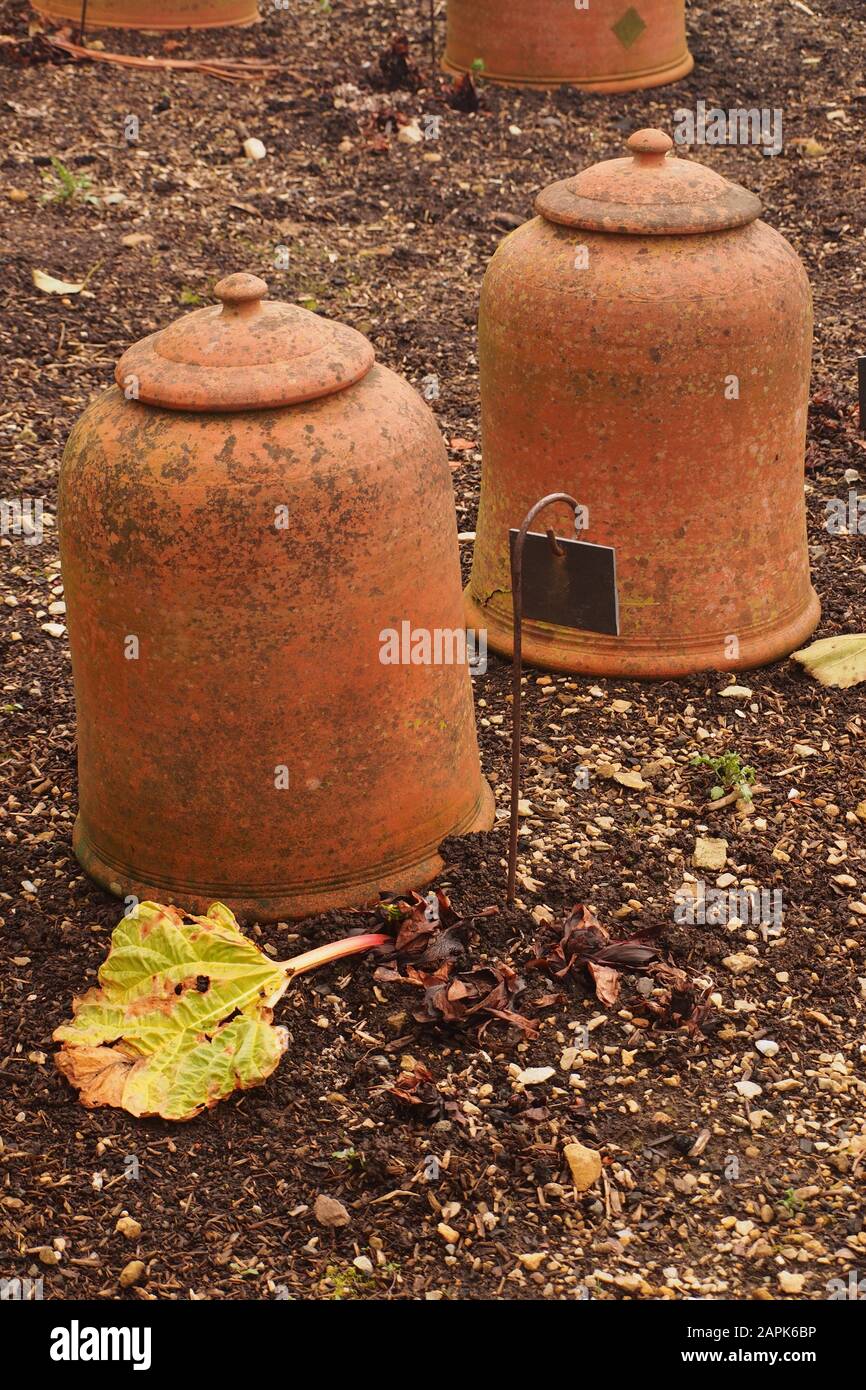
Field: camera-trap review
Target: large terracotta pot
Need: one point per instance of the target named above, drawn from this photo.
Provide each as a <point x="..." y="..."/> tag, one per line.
<point x="153" y="14"/>
<point x="241" y="518"/>
<point x="608" y="46"/>
<point x="645" y="346"/>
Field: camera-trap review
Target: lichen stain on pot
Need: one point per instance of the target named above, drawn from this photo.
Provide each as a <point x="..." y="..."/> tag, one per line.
<point x="642" y="371"/>
<point x="228" y="571"/>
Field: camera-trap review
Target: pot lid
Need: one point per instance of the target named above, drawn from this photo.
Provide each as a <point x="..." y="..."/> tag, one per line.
<point x="648" y="194"/>
<point x="247" y="353"/>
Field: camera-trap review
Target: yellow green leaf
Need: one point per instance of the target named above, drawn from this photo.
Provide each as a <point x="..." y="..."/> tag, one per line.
<point x="837" y="661"/>
<point x="181" y="1017"/>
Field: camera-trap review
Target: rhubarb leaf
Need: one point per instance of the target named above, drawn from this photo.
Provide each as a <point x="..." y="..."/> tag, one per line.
<point x="181" y="1017"/>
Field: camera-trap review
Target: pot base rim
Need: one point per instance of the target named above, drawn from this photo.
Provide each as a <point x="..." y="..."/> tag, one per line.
<point x="47" y="12"/>
<point x="280" y="904"/>
<point x="576" y="652"/>
<point x="650" y="77"/>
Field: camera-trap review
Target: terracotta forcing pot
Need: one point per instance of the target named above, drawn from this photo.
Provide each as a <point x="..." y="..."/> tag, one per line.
<point x="602" y="46"/>
<point x="243" y="519"/>
<point x="645" y="346"/>
<point x="153" y="14"/>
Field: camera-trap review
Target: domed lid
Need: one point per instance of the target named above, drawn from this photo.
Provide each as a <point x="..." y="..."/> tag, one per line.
<point x="648" y="194"/>
<point x="248" y="353"/>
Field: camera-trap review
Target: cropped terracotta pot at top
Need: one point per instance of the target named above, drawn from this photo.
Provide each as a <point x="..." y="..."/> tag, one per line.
<point x="153" y="14"/>
<point x="243" y="518"/>
<point x="605" y="46"/>
<point x="645" y="347"/>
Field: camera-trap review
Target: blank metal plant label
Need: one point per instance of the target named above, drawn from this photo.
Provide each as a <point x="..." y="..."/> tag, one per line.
<point x="575" y="589"/>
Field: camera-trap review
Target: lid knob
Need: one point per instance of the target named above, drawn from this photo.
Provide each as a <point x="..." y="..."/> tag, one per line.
<point x="241" y="294"/>
<point x="650" y="146"/>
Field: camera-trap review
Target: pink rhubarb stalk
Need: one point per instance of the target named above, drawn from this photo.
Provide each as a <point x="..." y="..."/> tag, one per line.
<point x="334" y="950"/>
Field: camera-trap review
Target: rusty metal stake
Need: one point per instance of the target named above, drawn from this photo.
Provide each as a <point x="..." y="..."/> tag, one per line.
<point x="517" y="600"/>
<point x="83" y="25"/>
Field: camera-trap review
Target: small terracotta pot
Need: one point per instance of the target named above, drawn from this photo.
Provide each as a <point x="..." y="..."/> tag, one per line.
<point x="610" y="46"/>
<point x="242" y="517"/>
<point x="645" y="347"/>
<point x="153" y="14"/>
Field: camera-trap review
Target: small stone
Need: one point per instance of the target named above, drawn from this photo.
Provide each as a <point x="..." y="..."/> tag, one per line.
<point x="133" y="1273"/>
<point x="329" y="1212"/>
<point x="791" y="1283"/>
<point x="740" y="963"/>
<point x="254" y="149"/>
<point x="535" y="1076"/>
<point x="53" y="629"/>
<point x="448" y="1233"/>
<point x="621" y="706"/>
<point x="57" y="609"/>
<point x="410" y="134"/>
<point x="748" y="1089"/>
<point x="710" y="853"/>
<point x="632" y="780"/>
<point x="767" y="1047"/>
<point x="585" y="1165"/>
<point x="533" y="1261"/>
<point x="363" y="1263"/>
<point x="630" y="1283"/>
<point x="736" y="692"/>
<point x="48" y="1256"/>
<point x="568" y="1058"/>
<point x="129" y="1227"/>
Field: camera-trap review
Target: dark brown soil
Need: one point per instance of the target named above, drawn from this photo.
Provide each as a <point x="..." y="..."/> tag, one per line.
<point x="393" y="241"/>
